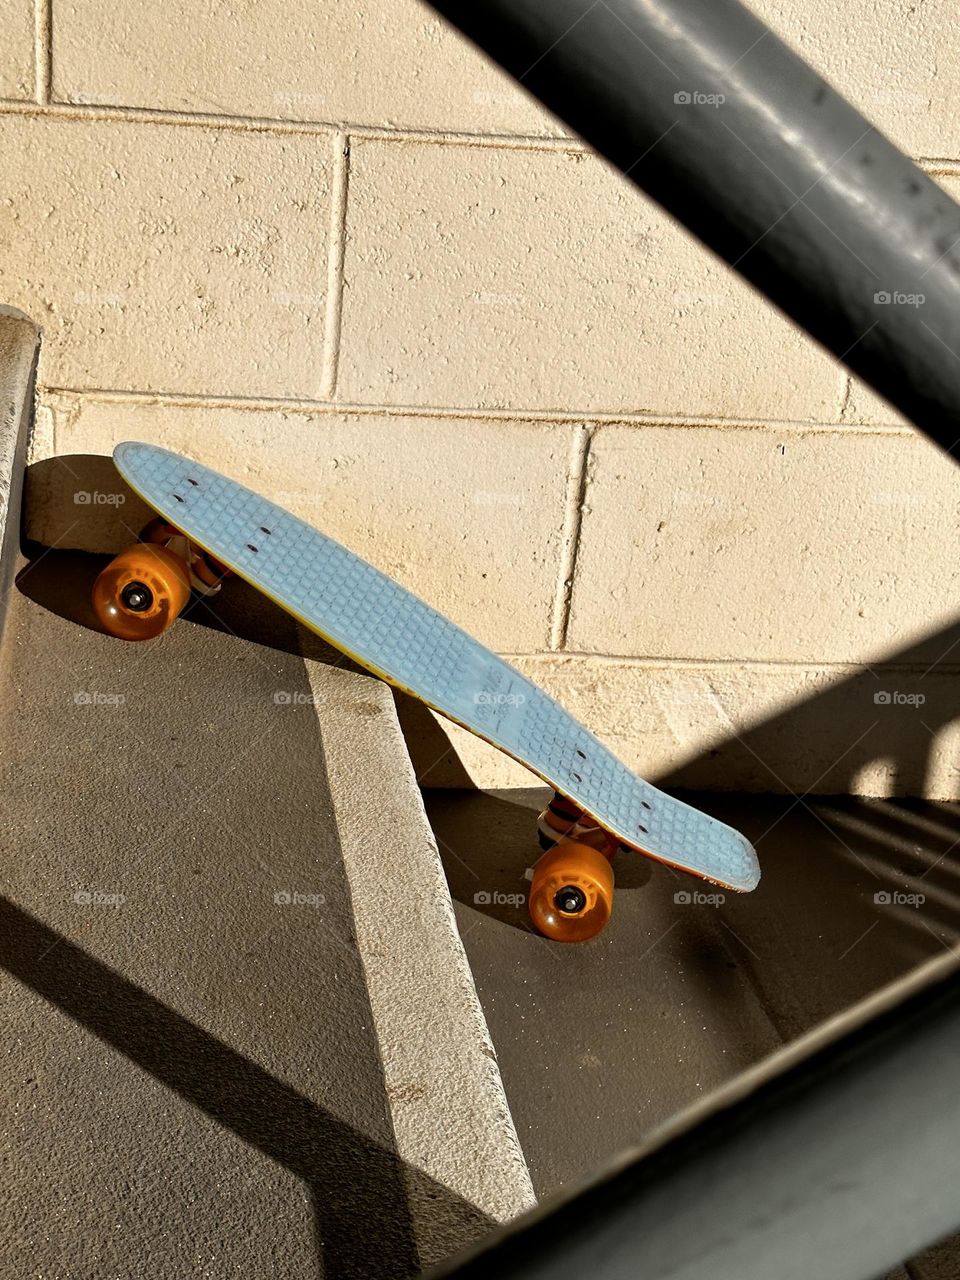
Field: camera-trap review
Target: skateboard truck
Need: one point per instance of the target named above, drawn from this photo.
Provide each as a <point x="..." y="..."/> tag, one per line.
<point x="571" y="892"/>
<point x="144" y="589"/>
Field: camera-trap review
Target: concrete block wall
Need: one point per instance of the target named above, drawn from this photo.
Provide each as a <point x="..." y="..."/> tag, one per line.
<point x="333" y="251"/>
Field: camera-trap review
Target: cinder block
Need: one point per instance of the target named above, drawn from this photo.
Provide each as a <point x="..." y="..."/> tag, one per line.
<point x="374" y="62"/>
<point x="540" y="279"/>
<point x="882" y="730"/>
<point x="755" y="544"/>
<point x="466" y="513"/>
<point x="159" y="257"/>
<point x="17" y="56"/>
<point x="898" y="61"/>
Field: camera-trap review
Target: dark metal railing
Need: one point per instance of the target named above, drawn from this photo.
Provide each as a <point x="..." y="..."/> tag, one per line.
<point x="737" y="137"/>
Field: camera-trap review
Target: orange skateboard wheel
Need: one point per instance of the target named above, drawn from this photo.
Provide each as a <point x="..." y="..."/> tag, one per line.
<point x="141" y="592"/>
<point x="571" y="896"/>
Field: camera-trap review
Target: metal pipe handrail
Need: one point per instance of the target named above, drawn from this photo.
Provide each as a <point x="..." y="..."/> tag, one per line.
<point x="749" y="147"/>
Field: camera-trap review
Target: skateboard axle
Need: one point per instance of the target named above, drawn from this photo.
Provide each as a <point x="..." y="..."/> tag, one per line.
<point x="137" y="597"/>
<point x="570" y="900"/>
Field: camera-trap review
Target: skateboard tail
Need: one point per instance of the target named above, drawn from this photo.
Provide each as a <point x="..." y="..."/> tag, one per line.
<point x="743" y="879"/>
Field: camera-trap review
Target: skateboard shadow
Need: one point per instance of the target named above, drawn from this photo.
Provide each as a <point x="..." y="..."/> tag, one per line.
<point x="61" y="583"/>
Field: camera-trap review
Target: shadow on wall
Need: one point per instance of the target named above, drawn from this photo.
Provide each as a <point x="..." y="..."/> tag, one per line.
<point x="891" y="728"/>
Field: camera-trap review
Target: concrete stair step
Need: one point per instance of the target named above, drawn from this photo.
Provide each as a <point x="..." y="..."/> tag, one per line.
<point x="241" y="1033"/>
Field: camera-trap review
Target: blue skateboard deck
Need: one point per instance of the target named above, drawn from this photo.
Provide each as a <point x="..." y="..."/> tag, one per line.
<point x="400" y="638"/>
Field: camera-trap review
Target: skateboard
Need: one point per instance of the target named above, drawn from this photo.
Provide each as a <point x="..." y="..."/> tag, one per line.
<point x="209" y="527"/>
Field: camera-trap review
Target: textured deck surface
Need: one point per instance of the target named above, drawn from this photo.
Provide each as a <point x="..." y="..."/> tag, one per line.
<point x="395" y="634"/>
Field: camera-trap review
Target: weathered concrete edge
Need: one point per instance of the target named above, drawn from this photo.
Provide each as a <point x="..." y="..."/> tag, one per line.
<point x="19" y="344"/>
<point x="449" y="1109"/>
